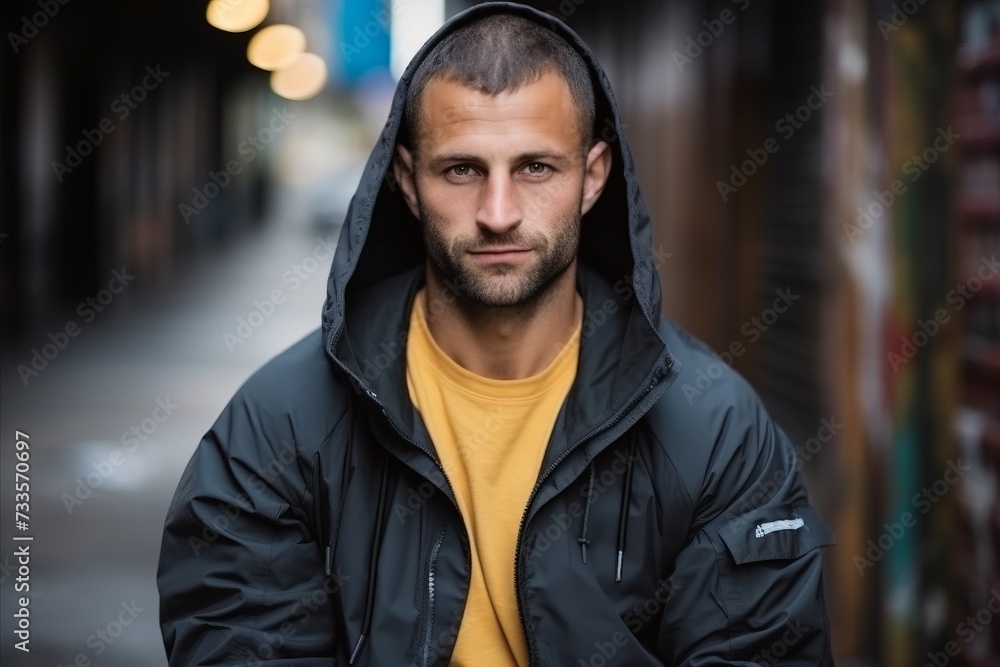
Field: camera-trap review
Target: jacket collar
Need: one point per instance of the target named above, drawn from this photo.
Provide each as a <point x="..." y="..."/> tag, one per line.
<point x="621" y="357"/>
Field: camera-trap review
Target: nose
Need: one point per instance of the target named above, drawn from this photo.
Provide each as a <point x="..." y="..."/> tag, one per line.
<point x="499" y="207"/>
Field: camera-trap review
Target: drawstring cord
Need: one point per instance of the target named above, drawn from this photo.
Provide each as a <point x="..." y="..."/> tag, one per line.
<point x="373" y="562"/>
<point x="622" y="512"/>
<point x="586" y="516"/>
<point x="583" y="540"/>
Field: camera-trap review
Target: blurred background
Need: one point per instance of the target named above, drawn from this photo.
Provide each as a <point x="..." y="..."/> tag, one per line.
<point x="173" y="180"/>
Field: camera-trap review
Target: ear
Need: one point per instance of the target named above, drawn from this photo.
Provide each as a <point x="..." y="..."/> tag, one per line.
<point x="402" y="169"/>
<point x="596" y="173"/>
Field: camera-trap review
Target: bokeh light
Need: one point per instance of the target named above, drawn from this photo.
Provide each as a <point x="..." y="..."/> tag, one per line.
<point x="237" y="15"/>
<point x="276" y="46"/>
<point x="302" y="79"/>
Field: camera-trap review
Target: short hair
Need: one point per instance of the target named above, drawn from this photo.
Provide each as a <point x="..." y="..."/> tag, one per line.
<point x="497" y="54"/>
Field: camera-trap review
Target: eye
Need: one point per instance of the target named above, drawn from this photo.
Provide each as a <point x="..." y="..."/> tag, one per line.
<point x="460" y="172"/>
<point x="536" y="169"/>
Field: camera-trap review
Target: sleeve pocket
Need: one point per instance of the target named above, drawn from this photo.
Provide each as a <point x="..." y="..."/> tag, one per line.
<point x="773" y="533"/>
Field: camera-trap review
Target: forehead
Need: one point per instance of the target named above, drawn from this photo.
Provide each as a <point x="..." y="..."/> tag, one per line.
<point x="541" y="112"/>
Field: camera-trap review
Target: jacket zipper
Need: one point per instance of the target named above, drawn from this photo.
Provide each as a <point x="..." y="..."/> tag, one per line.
<point x="426" y="451"/>
<point x="385" y="413"/>
<point x="437" y="546"/>
<point x="374" y="397"/>
<point x="430" y="598"/>
<point x="541" y="478"/>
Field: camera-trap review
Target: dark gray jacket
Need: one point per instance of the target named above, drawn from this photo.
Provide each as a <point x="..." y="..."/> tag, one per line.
<point x="314" y="524"/>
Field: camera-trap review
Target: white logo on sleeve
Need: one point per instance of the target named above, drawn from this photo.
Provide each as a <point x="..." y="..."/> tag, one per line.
<point x="771" y="526"/>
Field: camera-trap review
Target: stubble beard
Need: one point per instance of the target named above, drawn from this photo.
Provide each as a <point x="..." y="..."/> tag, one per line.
<point x="501" y="285"/>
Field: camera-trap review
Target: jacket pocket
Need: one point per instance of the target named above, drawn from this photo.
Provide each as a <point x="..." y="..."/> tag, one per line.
<point x="770" y="582"/>
<point x="774" y="533"/>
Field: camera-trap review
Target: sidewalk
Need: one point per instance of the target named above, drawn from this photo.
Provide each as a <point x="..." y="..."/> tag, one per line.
<point x="112" y="421"/>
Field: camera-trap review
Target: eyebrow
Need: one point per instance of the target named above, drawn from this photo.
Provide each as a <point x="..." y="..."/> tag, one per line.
<point x="533" y="156"/>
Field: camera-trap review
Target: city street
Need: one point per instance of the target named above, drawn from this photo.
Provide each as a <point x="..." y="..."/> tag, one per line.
<point x="112" y="419"/>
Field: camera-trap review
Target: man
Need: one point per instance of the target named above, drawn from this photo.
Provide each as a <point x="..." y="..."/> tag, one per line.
<point x="485" y="456"/>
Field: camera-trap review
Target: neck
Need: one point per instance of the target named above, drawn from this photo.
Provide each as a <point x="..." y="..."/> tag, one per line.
<point x="508" y="343"/>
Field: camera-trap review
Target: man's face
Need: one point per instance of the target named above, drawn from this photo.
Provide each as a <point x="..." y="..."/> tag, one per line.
<point x="500" y="185"/>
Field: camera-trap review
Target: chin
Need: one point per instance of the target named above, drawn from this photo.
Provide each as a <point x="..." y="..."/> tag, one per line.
<point x="508" y="290"/>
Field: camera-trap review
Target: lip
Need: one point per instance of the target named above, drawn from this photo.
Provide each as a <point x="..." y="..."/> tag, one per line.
<point x="501" y="254"/>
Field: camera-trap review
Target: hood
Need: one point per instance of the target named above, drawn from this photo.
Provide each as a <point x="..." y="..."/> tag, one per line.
<point x="623" y="364"/>
<point x="380" y="238"/>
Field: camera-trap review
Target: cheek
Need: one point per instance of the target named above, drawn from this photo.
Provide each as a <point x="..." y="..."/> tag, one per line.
<point x="447" y="204"/>
<point x="553" y="199"/>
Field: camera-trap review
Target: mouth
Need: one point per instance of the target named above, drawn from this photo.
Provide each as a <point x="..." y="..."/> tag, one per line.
<point x="499" y="255"/>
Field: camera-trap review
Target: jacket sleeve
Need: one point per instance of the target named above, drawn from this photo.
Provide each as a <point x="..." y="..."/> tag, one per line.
<point x="241" y="577"/>
<point x="747" y="588"/>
